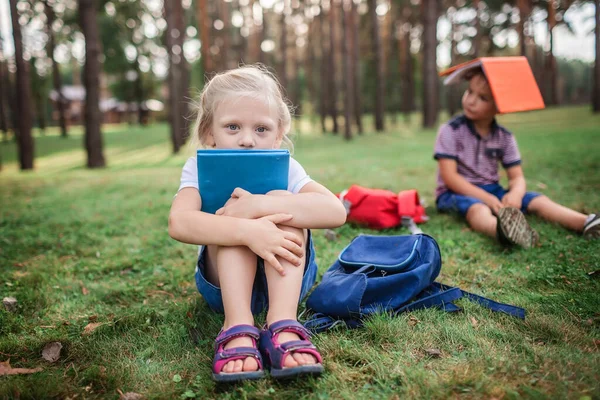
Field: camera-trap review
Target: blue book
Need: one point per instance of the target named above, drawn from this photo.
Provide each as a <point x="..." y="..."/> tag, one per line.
<point x="257" y="171"/>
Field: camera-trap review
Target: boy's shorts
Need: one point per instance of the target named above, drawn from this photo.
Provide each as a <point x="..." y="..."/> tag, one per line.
<point x="452" y="202"/>
<point x="260" y="297"/>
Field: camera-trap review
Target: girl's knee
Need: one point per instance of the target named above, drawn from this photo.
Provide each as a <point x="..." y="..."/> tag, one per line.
<point x="477" y="210"/>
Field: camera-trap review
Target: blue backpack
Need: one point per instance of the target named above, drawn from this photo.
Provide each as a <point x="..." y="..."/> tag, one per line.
<point x="390" y="274"/>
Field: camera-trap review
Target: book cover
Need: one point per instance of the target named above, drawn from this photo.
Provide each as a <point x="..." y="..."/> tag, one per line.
<point x="257" y="171"/>
<point x="511" y="81"/>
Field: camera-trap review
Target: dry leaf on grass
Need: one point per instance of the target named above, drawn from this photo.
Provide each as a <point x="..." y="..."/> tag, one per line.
<point x="129" y="395"/>
<point x="474" y="322"/>
<point x="89" y="328"/>
<point x="10" y="304"/>
<point x="51" y="351"/>
<point x="6" y="369"/>
<point x="435" y="353"/>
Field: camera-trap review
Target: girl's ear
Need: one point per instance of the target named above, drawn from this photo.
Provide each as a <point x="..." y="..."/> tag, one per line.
<point x="209" y="140"/>
<point x="279" y="140"/>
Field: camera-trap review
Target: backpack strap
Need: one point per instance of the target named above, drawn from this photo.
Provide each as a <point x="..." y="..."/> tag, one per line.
<point x="435" y="295"/>
<point x="495" y="306"/>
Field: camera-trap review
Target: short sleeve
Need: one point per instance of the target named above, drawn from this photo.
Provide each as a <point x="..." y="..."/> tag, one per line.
<point x="511" y="155"/>
<point x="445" y="144"/>
<point x="189" y="174"/>
<point x="297" y="177"/>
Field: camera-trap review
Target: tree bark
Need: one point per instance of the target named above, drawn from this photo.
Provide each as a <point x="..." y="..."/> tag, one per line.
<point x="88" y="22"/>
<point x="355" y="64"/>
<point x="5" y="82"/>
<point x="226" y="34"/>
<point x="596" y="91"/>
<point x="451" y="99"/>
<point x="550" y="60"/>
<point x="407" y="67"/>
<point x="175" y="51"/>
<point x="332" y="68"/>
<point x="324" y="93"/>
<point x="523" y="15"/>
<point x="203" y="21"/>
<point x="56" y="78"/>
<point x="379" y="75"/>
<point x="283" y="47"/>
<point x="477" y="24"/>
<point x="430" y="83"/>
<point x="23" y="88"/>
<point x="348" y="86"/>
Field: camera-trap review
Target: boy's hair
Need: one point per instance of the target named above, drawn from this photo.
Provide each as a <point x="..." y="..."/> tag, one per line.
<point x="472" y="73"/>
<point x="254" y="81"/>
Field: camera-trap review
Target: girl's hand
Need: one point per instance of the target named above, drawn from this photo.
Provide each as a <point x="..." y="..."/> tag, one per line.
<point x="268" y="242"/>
<point x="511" y="199"/>
<point x="242" y="204"/>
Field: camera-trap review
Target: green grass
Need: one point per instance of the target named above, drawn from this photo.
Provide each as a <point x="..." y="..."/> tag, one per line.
<point x="80" y="245"/>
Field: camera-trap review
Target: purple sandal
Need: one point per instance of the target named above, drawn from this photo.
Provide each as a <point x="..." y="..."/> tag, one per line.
<point x="223" y="356"/>
<point x="275" y="353"/>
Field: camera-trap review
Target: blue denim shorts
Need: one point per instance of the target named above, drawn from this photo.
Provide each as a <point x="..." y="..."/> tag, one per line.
<point x="260" y="296"/>
<point x="452" y="202"/>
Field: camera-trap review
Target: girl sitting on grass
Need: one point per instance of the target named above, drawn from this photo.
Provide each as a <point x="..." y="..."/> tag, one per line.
<point x="256" y="252"/>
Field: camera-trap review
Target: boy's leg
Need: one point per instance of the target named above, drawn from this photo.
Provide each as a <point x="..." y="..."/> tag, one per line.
<point x="481" y="219"/>
<point x="284" y="295"/>
<point x="554" y="212"/>
<point x="233" y="269"/>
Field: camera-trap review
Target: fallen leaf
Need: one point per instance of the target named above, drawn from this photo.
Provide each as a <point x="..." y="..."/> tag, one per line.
<point x="129" y="395"/>
<point x="412" y="321"/>
<point x="51" y="351"/>
<point x="474" y="322"/>
<point x="84" y="291"/>
<point x="89" y="328"/>
<point x="6" y="369"/>
<point x="10" y="304"/>
<point x="435" y="353"/>
<point x="93" y="318"/>
<point x="330" y="235"/>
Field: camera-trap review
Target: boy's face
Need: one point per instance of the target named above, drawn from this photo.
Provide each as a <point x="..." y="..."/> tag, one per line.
<point x="478" y="102"/>
<point x="244" y="123"/>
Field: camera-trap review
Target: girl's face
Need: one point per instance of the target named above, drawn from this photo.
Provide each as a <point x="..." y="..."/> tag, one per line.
<point x="244" y="123"/>
<point x="478" y="102"/>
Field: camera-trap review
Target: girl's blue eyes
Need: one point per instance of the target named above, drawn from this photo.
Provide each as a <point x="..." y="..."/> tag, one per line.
<point x="234" y="127"/>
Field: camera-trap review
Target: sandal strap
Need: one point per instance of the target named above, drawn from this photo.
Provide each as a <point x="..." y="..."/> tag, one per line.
<point x="236" y="353"/>
<point x="290" y="325"/>
<point x="297" y="345"/>
<point x="236" y="331"/>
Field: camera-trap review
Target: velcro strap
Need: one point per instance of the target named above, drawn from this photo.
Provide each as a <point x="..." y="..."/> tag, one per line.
<point x="295" y="345"/>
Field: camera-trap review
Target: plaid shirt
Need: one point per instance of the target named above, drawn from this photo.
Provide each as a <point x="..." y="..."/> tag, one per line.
<point x="477" y="158"/>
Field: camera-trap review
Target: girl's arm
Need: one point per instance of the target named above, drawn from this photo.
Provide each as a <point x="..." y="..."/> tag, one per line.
<point x="458" y="184"/>
<point x="189" y="225"/>
<point x="315" y="207"/>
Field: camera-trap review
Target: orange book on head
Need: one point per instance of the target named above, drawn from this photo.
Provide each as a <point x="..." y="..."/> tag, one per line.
<point x="511" y="81"/>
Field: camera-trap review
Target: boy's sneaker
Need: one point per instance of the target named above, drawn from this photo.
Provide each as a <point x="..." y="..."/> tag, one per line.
<point x="591" y="229"/>
<point x="513" y="229"/>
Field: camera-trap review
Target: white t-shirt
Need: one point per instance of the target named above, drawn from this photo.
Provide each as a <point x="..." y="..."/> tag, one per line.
<point x="297" y="176"/>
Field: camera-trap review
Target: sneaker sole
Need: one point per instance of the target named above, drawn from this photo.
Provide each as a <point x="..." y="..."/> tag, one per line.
<point x="515" y="227"/>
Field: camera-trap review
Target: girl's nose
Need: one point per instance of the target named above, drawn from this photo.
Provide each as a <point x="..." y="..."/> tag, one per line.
<point x="246" y="139"/>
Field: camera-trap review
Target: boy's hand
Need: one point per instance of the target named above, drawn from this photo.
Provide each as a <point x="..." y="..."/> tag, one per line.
<point x="242" y="204"/>
<point x="512" y="199"/>
<point x="268" y="242"/>
<point x="493" y="203"/>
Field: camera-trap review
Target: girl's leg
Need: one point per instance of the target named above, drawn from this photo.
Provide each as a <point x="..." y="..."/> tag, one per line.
<point x="233" y="269"/>
<point x="481" y="219"/>
<point x="554" y="212"/>
<point x="284" y="294"/>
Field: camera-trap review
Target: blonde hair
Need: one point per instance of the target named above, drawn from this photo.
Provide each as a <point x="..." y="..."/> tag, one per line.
<point x="254" y="81"/>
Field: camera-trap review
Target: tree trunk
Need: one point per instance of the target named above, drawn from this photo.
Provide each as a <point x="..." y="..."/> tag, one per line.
<point x="452" y="98"/>
<point x="523" y="15"/>
<point x="551" y="61"/>
<point x="379" y="78"/>
<point x="477" y="24"/>
<point x="354" y="23"/>
<point x="430" y="80"/>
<point x="91" y="76"/>
<point x="283" y="47"/>
<point x="348" y="86"/>
<point x="407" y="67"/>
<point x="23" y="89"/>
<point x="3" y="93"/>
<point x="204" y="23"/>
<point x="224" y="51"/>
<point x="323" y="90"/>
<point x="56" y="78"/>
<point x="332" y="69"/>
<point x="175" y="77"/>
<point x="596" y="91"/>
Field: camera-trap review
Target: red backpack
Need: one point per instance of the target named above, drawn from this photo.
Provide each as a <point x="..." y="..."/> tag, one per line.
<point x="382" y="209"/>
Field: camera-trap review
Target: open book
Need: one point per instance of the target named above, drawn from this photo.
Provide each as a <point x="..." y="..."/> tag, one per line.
<point x="257" y="171"/>
<point x="511" y="80"/>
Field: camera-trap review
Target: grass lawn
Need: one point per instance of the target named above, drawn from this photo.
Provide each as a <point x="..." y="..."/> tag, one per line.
<point x="80" y="247"/>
